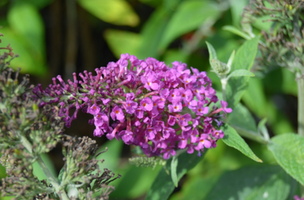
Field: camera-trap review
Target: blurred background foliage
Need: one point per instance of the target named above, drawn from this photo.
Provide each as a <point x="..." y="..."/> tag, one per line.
<point x="65" y="36"/>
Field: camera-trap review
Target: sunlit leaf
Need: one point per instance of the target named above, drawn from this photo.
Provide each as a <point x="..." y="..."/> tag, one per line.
<point x="117" y="12"/>
<point x="26" y="20"/>
<point x="26" y="36"/>
<point x="288" y="150"/>
<point x="27" y="60"/>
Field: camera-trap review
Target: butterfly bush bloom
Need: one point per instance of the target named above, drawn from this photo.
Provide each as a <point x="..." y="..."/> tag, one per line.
<point x="144" y="103"/>
<point x="296" y="197"/>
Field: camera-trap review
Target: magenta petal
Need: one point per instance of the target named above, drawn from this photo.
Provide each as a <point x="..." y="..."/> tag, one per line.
<point x="182" y="144"/>
<point x="98" y="132"/>
<point x="207" y="143"/>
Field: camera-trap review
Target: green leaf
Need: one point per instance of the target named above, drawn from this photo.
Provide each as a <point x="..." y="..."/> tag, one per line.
<point x="288" y="150"/>
<point x="189" y="15"/>
<point x="26" y="20"/>
<point x="117" y="12"/>
<point x="37" y="170"/>
<point x="196" y="188"/>
<point x="230" y="60"/>
<point x="212" y="52"/>
<point x="26" y="37"/>
<point x="123" y="42"/>
<point x="254" y="183"/>
<point x="236" y="31"/>
<point x="7" y="198"/>
<point x="26" y="61"/>
<point x="111" y="156"/>
<point x="233" y="139"/>
<point x="153" y="3"/>
<point x="255" y="99"/>
<point x="172" y="55"/>
<point x="242" y="118"/>
<point x="134" y="182"/>
<point x="152" y="33"/>
<point x="39" y="4"/>
<point x="163" y="186"/>
<point x="243" y="59"/>
<point x="241" y="72"/>
<point x="263" y="129"/>
<point x="174" y="163"/>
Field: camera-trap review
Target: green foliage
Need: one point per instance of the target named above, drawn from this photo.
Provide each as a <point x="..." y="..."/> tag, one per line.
<point x="163" y="186"/>
<point x="177" y="30"/>
<point x="254" y="183"/>
<point x="116" y="11"/>
<point x="123" y="42"/>
<point x="288" y="150"/>
<point x="174" y="164"/>
<point x="243" y="59"/>
<point x="38" y="171"/>
<point x="192" y="14"/>
<point x="26" y="34"/>
<point x="241" y="72"/>
<point x="233" y="139"/>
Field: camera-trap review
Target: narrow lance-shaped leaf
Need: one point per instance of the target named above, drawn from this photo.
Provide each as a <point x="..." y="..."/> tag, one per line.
<point x="233" y="139"/>
<point x="241" y="72"/>
<point x="174" y="164"/>
<point x="236" y="31"/>
<point x="212" y="52"/>
<point x="288" y="150"/>
<point x="262" y="128"/>
<point x="231" y="58"/>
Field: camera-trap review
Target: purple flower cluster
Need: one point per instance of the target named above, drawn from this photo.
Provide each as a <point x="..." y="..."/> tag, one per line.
<point x="144" y="103"/>
<point x="296" y="197"/>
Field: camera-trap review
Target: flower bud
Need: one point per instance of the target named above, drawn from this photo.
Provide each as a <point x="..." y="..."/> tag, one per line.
<point x="219" y="67"/>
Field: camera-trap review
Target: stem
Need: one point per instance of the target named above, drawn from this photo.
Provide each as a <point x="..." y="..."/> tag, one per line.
<point x="45" y="169"/>
<point x="300" y="83"/>
<point x="251" y="135"/>
<point x="224" y="81"/>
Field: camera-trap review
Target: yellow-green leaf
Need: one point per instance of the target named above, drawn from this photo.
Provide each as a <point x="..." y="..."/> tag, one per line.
<point x="117" y="12"/>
